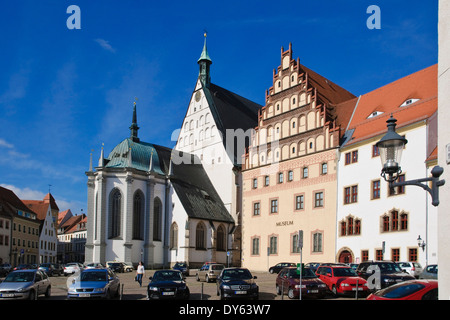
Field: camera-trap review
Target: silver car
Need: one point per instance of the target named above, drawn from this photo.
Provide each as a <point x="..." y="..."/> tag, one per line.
<point x="95" y="283"/>
<point x="413" y="268"/>
<point x="430" y="272"/>
<point x="209" y="272"/>
<point x="25" y="284"/>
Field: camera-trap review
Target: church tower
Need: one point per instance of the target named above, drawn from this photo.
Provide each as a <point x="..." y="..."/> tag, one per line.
<point x="204" y="62"/>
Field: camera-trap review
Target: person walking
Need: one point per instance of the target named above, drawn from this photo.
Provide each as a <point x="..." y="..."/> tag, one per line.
<point x="140" y="271"/>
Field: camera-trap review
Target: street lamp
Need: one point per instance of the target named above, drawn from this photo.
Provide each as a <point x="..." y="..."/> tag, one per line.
<point x="390" y="147"/>
<point x="421" y="243"/>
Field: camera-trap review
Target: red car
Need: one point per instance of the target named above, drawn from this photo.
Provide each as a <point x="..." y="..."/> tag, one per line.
<point x="408" y="290"/>
<point x="342" y="280"/>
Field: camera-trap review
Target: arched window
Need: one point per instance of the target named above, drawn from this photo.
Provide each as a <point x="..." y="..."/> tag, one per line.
<point x="138" y="215"/>
<point x="200" y="236"/>
<point x="221" y="240"/>
<point x="157" y="219"/>
<point x="115" y="213"/>
<point x="173" y="244"/>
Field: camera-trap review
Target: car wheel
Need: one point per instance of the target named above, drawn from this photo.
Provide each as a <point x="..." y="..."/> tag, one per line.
<point x="32" y="295"/>
<point x="291" y="293"/>
<point x="207" y="278"/>
<point x="197" y="277"/>
<point x="271" y="271"/>
<point x="278" y="290"/>
<point x="48" y="292"/>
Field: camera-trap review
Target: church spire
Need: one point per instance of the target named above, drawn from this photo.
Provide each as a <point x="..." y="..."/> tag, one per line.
<point x="204" y="62"/>
<point x="134" y="127"/>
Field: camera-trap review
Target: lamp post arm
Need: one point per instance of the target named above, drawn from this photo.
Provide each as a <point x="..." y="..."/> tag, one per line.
<point x="435" y="184"/>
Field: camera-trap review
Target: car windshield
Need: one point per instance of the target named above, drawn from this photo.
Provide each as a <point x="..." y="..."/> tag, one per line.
<point x="19" y="277"/>
<point x="344" y="272"/>
<point x="167" y="276"/>
<point x="217" y="267"/>
<point x="400" y="291"/>
<point x="115" y="264"/>
<point x="93" y="276"/>
<point x="389" y="267"/>
<point x="307" y="274"/>
<point x="180" y="265"/>
<point x="236" y="274"/>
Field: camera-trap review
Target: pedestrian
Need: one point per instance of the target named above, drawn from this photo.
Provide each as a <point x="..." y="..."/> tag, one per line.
<point x="140" y="271"/>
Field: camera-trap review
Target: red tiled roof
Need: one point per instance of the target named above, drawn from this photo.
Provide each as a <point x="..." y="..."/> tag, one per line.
<point x="388" y="99"/>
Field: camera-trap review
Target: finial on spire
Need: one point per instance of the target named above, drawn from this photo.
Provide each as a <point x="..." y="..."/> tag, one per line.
<point x="134" y="127"/>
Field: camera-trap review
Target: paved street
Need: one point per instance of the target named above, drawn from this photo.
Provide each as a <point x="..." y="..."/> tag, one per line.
<point x="199" y="290"/>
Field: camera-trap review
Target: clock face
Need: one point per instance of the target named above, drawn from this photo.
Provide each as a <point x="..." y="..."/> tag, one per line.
<point x="198" y="95"/>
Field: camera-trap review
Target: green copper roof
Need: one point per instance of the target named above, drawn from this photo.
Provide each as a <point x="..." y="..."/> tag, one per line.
<point x="141" y="152"/>
<point x="204" y="55"/>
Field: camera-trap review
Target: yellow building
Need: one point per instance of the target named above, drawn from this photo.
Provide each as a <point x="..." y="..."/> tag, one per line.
<point x="289" y="171"/>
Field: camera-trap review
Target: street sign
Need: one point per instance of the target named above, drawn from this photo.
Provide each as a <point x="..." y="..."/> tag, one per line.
<point x="300" y="239"/>
<point x="300" y="268"/>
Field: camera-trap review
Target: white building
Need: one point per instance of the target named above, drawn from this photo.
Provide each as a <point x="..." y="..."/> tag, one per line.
<point x="373" y="223"/>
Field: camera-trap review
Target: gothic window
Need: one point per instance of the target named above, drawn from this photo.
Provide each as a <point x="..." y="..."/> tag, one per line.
<point x="138" y="215"/>
<point x="173" y="236"/>
<point x="200" y="236"/>
<point x="157" y="219"/>
<point x="221" y="239"/>
<point x="115" y="213"/>
<point x="317" y="242"/>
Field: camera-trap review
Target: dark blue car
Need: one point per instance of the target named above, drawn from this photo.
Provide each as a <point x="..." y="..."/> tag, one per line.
<point x="237" y="283"/>
<point x="182" y="267"/>
<point x="167" y="284"/>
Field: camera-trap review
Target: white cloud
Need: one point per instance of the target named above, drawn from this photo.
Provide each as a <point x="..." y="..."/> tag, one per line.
<point x="25" y="193"/>
<point x="105" y="45"/>
<point x="5" y="144"/>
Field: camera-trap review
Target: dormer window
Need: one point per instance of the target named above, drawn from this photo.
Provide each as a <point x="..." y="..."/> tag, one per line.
<point x="374" y="114"/>
<point x="408" y="102"/>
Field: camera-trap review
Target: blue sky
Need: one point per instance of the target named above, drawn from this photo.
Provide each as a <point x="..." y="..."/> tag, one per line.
<point x="65" y="92"/>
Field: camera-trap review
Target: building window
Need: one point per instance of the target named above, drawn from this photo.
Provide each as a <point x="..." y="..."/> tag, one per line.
<point x="255" y="183"/>
<point x="299" y="202"/>
<point x="200" y="236"/>
<point x="350" y="194"/>
<point x="305" y="173"/>
<point x="404" y="222"/>
<point x="350" y="226"/>
<point x="375" y="189"/>
<point x="280" y="177"/>
<point x="255" y="246"/>
<point x="386" y="223"/>
<point x="317" y="242"/>
<point x="256" y="208"/>
<point x="375" y="151"/>
<point x="379" y="254"/>
<point x="157" y="219"/>
<point x="266" y="181"/>
<point x="290" y="175"/>
<point x="115" y="214"/>
<point x="324" y="168"/>
<point x="412" y="254"/>
<point x="395" y="253"/>
<point x="273" y="245"/>
<point x="274" y="206"/>
<point x="318" y="199"/>
<point x="343" y="228"/>
<point x="398" y="190"/>
<point x="295" y="246"/>
<point x="221" y="238"/>
<point x="138" y="216"/>
<point x="394" y="220"/>
<point x="351" y="157"/>
<point x="357" y="227"/>
<point x="364" y="255"/>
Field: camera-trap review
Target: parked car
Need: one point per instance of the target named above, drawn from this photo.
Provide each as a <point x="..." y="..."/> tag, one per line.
<point x="167" y="284"/>
<point x="413" y="268"/>
<point x="182" y="267"/>
<point x="73" y="267"/>
<point x="429" y="272"/>
<point x="277" y="268"/>
<point x="288" y="281"/>
<point x="127" y="267"/>
<point x="237" y="283"/>
<point x="94" y="265"/>
<point x="116" y="267"/>
<point x="354" y="266"/>
<point x="408" y="290"/>
<point x="389" y="273"/>
<point x="49" y="269"/>
<point x="342" y="280"/>
<point x="5" y="268"/>
<point x="59" y="267"/>
<point x="25" y="284"/>
<point x="209" y="272"/>
<point x="95" y="283"/>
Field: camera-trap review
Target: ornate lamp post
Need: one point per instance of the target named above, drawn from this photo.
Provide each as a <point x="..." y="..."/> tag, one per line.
<point x="390" y="147"/>
<point x="421" y="243"/>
